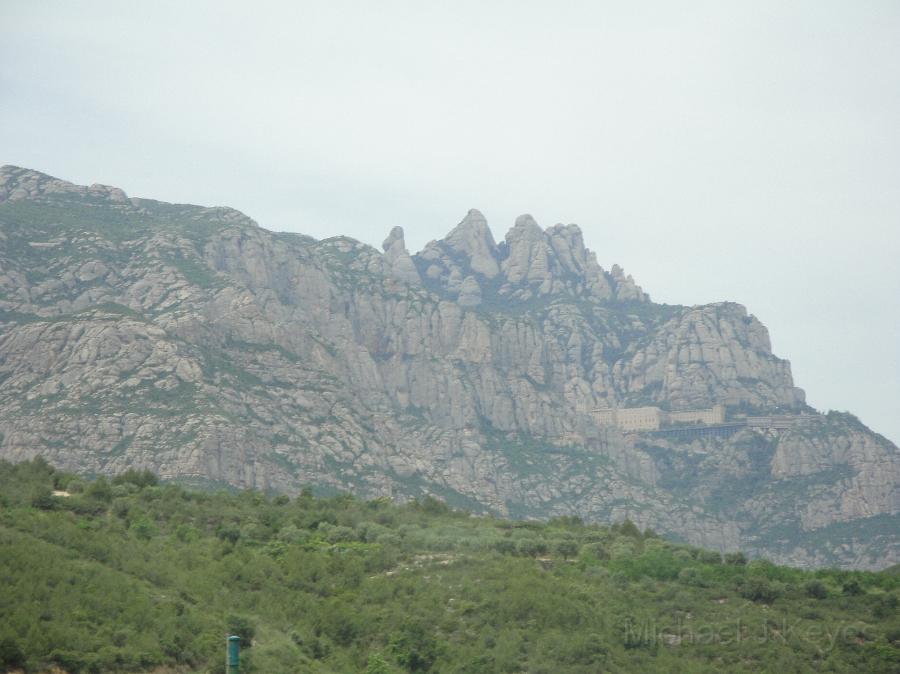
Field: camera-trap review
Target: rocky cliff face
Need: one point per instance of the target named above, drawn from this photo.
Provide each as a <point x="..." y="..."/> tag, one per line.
<point x="190" y="341"/>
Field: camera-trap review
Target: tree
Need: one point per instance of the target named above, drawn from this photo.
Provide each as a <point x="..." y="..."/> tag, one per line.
<point x="736" y="559"/>
<point x="816" y="589"/>
<point x="759" y="589"/>
<point x="414" y="648"/>
<point x="144" y="529"/>
<point x="139" y="478"/>
<point x="377" y="665"/>
<point x="100" y="490"/>
<point x="241" y="626"/>
<point x="43" y="498"/>
<point x="567" y="548"/>
<point x="852" y="588"/>
<point x="630" y="529"/>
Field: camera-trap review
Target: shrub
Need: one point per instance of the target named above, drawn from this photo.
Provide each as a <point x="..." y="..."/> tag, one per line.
<point x="505" y="546"/>
<point x="596" y="550"/>
<point x="75" y="486"/>
<point x="139" y="478"/>
<point x="100" y="490"/>
<point x="340" y="534"/>
<point x="691" y="576"/>
<point x="241" y="626"/>
<point x="567" y="549"/>
<point x="229" y="532"/>
<point x="43" y="498"/>
<point x="11" y="656"/>
<point x="377" y="665"/>
<point x="144" y="529"/>
<point x="852" y="588"/>
<point x="759" y="589"/>
<point x="629" y="528"/>
<point x="528" y="547"/>
<point x="816" y="589"/>
<point x="736" y="559"/>
<point x="623" y="548"/>
<point x="709" y="557"/>
<point x="885" y="607"/>
<point x="414" y="648"/>
<point x="432" y="506"/>
<point x="893" y="636"/>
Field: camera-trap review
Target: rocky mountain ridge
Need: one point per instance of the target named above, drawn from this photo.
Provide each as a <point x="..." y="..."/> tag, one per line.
<point x="188" y="340"/>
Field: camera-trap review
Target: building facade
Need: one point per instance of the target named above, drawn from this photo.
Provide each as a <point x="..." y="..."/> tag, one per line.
<point x="653" y="418"/>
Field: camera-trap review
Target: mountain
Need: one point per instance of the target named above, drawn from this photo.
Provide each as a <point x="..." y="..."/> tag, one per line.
<point x="191" y="342"/>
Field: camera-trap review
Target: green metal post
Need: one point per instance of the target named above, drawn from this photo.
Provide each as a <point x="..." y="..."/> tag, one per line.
<point x="234" y="654"/>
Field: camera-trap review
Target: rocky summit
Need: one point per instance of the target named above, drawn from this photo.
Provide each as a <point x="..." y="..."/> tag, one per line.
<point x="190" y="341"/>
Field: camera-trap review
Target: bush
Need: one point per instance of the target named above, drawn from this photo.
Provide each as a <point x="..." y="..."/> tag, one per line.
<point x="816" y="589"/>
<point x="229" y="532"/>
<point x="75" y="486"/>
<point x="629" y="528"/>
<point x="100" y="490"/>
<point x="736" y="559"/>
<point x="377" y="665"/>
<point x="893" y="636"/>
<point x="139" y="478"/>
<point x="144" y="529"/>
<point x="11" y="656"/>
<point x="43" y="498"/>
<point x="885" y="607"/>
<point x="530" y="547"/>
<point x="567" y="549"/>
<point x="691" y="576"/>
<point x="596" y="550"/>
<point x="852" y="588"/>
<point x="759" y="589"/>
<point x="709" y="557"/>
<point x="241" y="626"/>
<point x="340" y="534"/>
<point x="414" y="648"/>
<point x="505" y="546"/>
<point x="432" y="506"/>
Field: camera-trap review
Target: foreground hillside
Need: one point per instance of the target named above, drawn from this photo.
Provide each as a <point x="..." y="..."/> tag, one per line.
<point x="129" y="575"/>
<point x="191" y="342"/>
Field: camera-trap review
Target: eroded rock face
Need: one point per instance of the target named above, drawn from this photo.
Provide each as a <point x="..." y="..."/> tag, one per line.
<point x="472" y="238"/>
<point x="715" y="343"/>
<point x="530" y="264"/>
<point x="396" y="258"/>
<point x="190" y="341"/>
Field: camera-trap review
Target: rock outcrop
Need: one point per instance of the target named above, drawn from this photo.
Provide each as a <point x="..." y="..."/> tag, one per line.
<point x="397" y="260"/>
<point x="189" y="340"/>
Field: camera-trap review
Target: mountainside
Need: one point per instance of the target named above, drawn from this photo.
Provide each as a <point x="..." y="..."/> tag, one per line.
<point x="190" y="341"/>
<point x="127" y="576"/>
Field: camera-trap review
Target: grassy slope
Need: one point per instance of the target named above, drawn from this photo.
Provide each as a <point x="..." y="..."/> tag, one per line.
<point x="130" y="576"/>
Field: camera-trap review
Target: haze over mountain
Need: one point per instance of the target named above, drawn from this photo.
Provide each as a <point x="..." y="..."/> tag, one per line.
<point x="188" y="340"/>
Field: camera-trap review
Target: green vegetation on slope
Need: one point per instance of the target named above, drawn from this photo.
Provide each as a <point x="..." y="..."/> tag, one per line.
<point x="129" y="575"/>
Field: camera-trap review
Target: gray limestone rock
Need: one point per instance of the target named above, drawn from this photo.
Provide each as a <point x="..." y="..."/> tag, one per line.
<point x="472" y="237"/>
<point x="397" y="258"/>
<point x="469" y="293"/>
<point x="190" y="341"/>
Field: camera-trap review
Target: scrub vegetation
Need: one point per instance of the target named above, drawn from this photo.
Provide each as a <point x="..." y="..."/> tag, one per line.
<point x="130" y="574"/>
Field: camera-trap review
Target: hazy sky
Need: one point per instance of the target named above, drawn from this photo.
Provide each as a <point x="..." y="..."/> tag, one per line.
<point x="747" y="151"/>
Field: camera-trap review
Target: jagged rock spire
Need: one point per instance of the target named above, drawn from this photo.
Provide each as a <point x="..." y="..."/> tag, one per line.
<point x="397" y="259"/>
<point x="473" y="237"/>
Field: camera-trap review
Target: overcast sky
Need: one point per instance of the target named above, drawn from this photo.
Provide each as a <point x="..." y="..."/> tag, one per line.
<point x="745" y="151"/>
